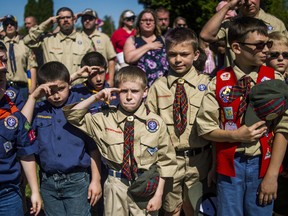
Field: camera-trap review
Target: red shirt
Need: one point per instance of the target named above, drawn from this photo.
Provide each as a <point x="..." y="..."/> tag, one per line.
<point x="119" y="38"/>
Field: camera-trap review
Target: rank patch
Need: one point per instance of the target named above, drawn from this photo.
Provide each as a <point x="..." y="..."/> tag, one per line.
<point x="7" y="146"/>
<point x="152" y="125"/>
<point x="230" y="126"/>
<point x="31" y="135"/>
<point x="152" y="150"/>
<point x="11" y="122"/>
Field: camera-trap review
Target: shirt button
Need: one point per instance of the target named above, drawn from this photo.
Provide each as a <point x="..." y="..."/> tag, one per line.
<point x="59" y="138"/>
<point x="59" y="155"/>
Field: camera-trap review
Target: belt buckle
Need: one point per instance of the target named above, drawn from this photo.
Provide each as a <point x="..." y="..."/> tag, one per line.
<point x="186" y="153"/>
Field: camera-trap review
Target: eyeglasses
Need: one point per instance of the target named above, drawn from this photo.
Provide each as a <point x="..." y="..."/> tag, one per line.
<point x="65" y="17"/>
<point x="90" y="18"/>
<point x="147" y="20"/>
<point x="277" y="54"/>
<point x="259" y="46"/>
<point x="130" y="19"/>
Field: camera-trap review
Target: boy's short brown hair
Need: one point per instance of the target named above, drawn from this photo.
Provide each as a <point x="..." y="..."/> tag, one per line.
<point x="131" y="73"/>
<point x="180" y="35"/>
<point x="240" y="27"/>
<point x="278" y="37"/>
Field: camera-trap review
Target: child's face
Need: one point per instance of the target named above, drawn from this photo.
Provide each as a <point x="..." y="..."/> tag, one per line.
<point x="59" y="93"/>
<point x="97" y="79"/>
<point x="181" y="57"/>
<point x="253" y="51"/>
<point x="131" y="95"/>
<point x="278" y="57"/>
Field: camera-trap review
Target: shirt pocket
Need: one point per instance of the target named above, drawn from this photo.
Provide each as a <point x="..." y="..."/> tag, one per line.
<point x="44" y="131"/>
<point x="166" y="110"/>
<point x="148" y="150"/>
<point x="195" y="104"/>
<point x="56" y="54"/>
<point x="112" y="148"/>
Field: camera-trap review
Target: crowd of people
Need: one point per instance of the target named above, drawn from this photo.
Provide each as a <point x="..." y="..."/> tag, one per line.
<point x="152" y="121"/>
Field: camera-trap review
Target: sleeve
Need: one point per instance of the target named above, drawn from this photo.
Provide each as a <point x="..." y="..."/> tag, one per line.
<point x="207" y="118"/>
<point x="32" y="63"/>
<point x="151" y="100"/>
<point x="167" y="164"/>
<point x="32" y="39"/>
<point x="83" y="120"/>
<point x="110" y="49"/>
<point x="26" y="139"/>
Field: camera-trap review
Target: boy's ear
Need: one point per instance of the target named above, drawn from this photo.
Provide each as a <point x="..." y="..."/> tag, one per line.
<point x="197" y="53"/>
<point x="145" y="92"/>
<point x="235" y="46"/>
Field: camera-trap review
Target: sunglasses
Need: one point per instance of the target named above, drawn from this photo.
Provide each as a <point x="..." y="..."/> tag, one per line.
<point x="87" y="17"/>
<point x="259" y="46"/>
<point x="130" y="19"/>
<point x="8" y="21"/>
<point x="277" y="54"/>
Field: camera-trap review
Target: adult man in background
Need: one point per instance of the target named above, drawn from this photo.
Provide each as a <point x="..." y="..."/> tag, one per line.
<point x="100" y="41"/>
<point x="163" y="19"/>
<point x="21" y="60"/>
<point x="66" y="46"/>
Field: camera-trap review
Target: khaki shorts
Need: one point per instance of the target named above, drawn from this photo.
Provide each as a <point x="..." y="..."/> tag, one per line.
<point x="189" y="171"/>
<point x="116" y="200"/>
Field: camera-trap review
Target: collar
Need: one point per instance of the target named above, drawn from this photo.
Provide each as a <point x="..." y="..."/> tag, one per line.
<point x="189" y="77"/>
<point x="95" y="33"/>
<point x="140" y="113"/>
<point x="239" y="73"/>
<point x="13" y="40"/>
<point x="91" y="89"/>
<point x="63" y="37"/>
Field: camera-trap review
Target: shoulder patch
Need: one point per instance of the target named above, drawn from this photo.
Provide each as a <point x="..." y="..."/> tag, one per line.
<point x="202" y="87"/>
<point x="11" y="94"/>
<point x="11" y="122"/>
<point x="152" y="125"/>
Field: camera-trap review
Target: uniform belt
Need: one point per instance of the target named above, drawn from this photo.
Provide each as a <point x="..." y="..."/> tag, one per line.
<point x="17" y="84"/>
<point x="192" y="152"/>
<point x="80" y="169"/>
<point x="116" y="174"/>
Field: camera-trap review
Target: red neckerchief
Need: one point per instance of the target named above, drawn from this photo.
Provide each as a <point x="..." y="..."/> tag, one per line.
<point x="4" y="112"/>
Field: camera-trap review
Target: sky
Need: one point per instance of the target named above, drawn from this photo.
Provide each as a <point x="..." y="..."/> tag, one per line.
<point x="111" y="8"/>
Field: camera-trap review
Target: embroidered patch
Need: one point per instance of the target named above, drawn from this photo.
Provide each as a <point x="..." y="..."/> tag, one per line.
<point x="42" y="116"/>
<point x="11" y="122"/>
<point x="31" y="135"/>
<point x="11" y="94"/>
<point x="225" y="76"/>
<point x="7" y="146"/>
<point x="265" y="79"/>
<point x="152" y="150"/>
<point x="268" y="154"/>
<point x="152" y="125"/>
<point x="230" y="126"/>
<point x="98" y="41"/>
<point x="27" y="126"/>
<point x="224" y="93"/>
<point x="202" y="87"/>
<point x="228" y="112"/>
<point x="79" y="42"/>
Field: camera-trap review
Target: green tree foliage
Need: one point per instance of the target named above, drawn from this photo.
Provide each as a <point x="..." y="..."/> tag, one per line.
<point x="109" y="26"/>
<point x="45" y="10"/>
<point x="31" y="9"/>
<point x="196" y="12"/>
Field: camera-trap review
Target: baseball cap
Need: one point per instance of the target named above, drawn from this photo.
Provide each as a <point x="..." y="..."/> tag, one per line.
<point x="9" y="19"/>
<point x="268" y="100"/>
<point x="144" y="187"/>
<point x="90" y="12"/>
<point x="129" y="14"/>
<point x="207" y="204"/>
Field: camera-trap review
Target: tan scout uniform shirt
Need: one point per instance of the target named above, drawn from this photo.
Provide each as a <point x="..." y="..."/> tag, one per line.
<point x="102" y="44"/>
<point x="24" y="57"/>
<point x="68" y="50"/>
<point x="107" y="130"/>
<point x="208" y="118"/>
<point x="274" y="24"/>
<point x="161" y="98"/>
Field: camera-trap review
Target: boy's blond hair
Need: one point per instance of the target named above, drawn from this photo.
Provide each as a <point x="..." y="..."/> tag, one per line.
<point x="278" y="37"/>
<point x="132" y="74"/>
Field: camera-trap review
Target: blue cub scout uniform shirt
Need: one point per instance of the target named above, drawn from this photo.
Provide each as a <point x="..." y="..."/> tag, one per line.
<point x="62" y="147"/>
<point x="16" y="140"/>
<point x="15" y="97"/>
